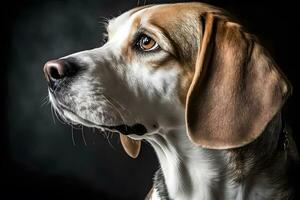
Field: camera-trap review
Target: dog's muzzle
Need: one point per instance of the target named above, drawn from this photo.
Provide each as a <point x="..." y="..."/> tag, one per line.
<point x="63" y="70"/>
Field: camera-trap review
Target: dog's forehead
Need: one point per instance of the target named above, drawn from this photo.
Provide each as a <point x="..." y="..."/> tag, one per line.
<point x="115" y="23"/>
<point x="162" y="15"/>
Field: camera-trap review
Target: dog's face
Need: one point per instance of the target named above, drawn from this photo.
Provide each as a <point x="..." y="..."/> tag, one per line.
<point x="134" y="78"/>
<point x="139" y="81"/>
<point x="138" y="78"/>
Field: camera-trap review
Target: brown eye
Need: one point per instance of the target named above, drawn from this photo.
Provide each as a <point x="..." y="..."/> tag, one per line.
<point x="146" y="43"/>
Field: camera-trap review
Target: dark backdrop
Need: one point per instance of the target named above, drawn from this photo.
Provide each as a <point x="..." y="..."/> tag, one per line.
<point x="39" y="159"/>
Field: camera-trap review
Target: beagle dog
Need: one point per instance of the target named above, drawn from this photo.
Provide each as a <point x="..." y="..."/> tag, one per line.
<point x="191" y="81"/>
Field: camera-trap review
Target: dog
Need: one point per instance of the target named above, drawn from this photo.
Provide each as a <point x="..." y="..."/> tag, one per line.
<point x="191" y="81"/>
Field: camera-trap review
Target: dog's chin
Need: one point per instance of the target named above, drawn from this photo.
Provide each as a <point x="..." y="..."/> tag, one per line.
<point x="137" y="129"/>
<point x="73" y="118"/>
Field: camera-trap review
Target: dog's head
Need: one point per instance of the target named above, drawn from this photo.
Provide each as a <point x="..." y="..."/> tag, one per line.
<point x="168" y="66"/>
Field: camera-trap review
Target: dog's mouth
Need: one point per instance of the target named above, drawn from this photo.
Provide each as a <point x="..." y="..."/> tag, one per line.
<point x="71" y="117"/>
<point x="137" y="129"/>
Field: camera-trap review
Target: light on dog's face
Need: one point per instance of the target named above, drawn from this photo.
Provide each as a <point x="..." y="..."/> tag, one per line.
<point x="130" y="84"/>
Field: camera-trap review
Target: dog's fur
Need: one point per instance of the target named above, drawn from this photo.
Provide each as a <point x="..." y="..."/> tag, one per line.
<point x="210" y="98"/>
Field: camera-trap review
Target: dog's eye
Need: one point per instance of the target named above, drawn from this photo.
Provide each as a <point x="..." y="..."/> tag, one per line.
<point x="146" y="43"/>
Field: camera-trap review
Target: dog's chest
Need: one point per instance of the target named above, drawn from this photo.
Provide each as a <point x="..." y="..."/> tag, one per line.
<point x="202" y="175"/>
<point x="257" y="190"/>
<point x="186" y="177"/>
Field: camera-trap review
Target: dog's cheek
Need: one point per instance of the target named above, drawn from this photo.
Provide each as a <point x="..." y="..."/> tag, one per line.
<point x="184" y="82"/>
<point x="156" y="93"/>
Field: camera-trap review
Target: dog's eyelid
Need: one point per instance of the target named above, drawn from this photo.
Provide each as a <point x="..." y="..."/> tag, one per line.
<point x="140" y="32"/>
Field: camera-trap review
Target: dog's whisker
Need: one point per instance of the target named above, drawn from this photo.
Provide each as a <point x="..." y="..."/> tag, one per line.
<point x="112" y="101"/>
<point x="110" y="144"/>
<point x="83" y="136"/>
<point x="111" y="135"/>
<point x="72" y="133"/>
<point x="52" y="114"/>
<point x="103" y="19"/>
<point x="59" y="117"/>
<point x="45" y="98"/>
<point x="104" y="23"/>
<point x="104" y="134"/>
<point x="45" y="101"/>
<point x="119" y="104"/>
<point x="116" y="109"/>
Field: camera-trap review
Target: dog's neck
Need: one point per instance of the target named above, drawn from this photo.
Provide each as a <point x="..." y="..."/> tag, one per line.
<point x="192" y="172"/>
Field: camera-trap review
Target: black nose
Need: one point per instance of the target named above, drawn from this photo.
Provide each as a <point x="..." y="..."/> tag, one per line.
<point x="57" y="70"/>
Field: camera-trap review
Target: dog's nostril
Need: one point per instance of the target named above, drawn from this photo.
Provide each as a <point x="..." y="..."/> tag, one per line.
<point x="54" y="70"/>
<point x="54" y="73"/>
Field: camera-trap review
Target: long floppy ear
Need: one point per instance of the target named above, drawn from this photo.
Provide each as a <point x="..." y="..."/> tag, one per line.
<point x="131" y="147"/>
<point x="236" y="89"/>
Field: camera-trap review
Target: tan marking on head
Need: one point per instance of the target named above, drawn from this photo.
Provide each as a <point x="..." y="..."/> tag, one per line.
<point x="180" y="25"/>
<point x="126" y="49"/>
<point x="184" y="83"/>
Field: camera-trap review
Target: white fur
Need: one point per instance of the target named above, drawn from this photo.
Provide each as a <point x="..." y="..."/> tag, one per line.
<point x="155" y="195"/>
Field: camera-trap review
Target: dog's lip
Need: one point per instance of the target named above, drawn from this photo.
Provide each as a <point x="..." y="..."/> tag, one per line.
<point x="137" y="129"/>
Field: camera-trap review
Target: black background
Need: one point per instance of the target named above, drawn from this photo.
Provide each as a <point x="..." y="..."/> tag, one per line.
<point x="38" y="157"/>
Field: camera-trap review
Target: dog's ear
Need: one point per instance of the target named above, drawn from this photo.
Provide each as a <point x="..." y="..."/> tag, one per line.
<point x="236" y="89"/>
<point x="131" y="147"/>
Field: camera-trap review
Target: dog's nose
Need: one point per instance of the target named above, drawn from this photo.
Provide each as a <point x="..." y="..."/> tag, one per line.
<point x="56" y="70"/>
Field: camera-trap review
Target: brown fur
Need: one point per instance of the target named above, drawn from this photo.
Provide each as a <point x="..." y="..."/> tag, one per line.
<point x="236" y="89"/>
